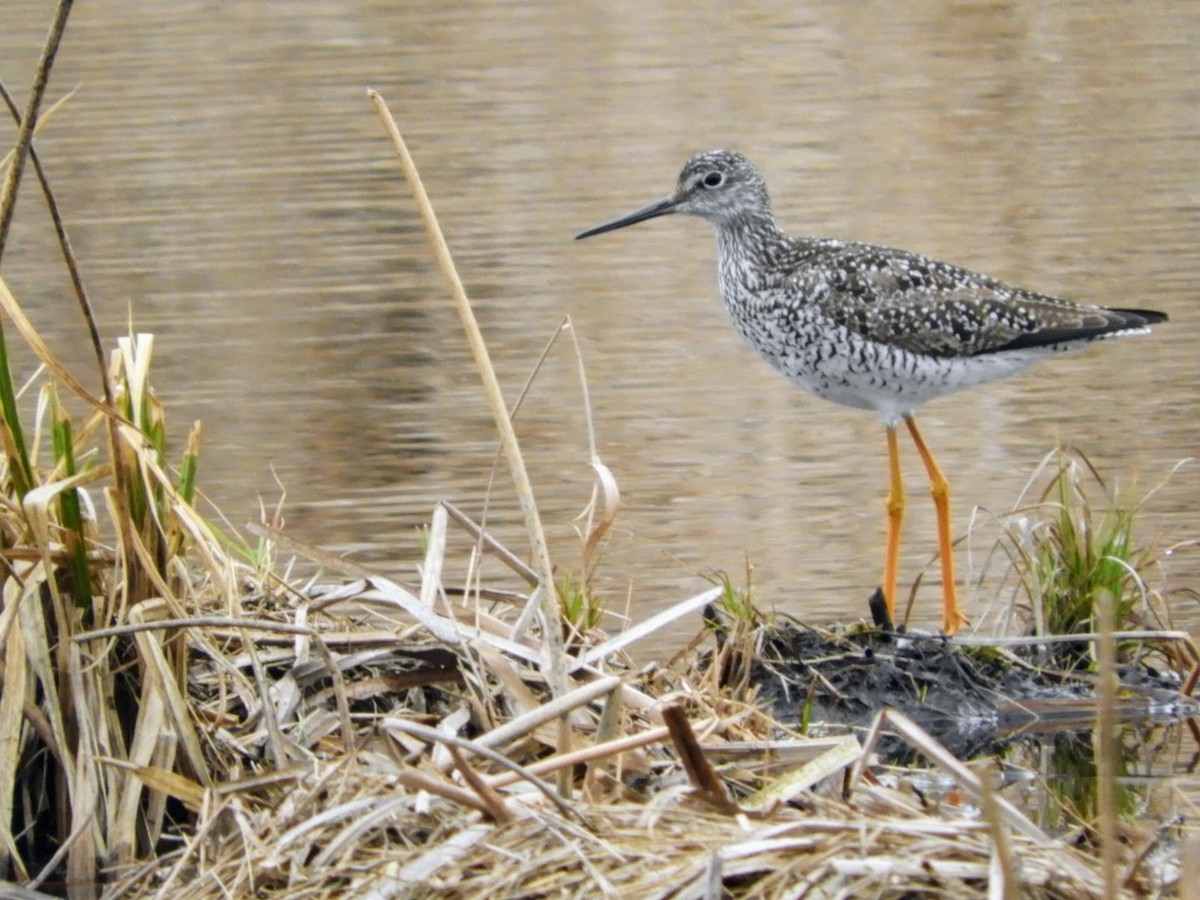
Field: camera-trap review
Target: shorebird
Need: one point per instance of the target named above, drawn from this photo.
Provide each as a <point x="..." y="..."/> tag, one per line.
<point x="872" y="327"/>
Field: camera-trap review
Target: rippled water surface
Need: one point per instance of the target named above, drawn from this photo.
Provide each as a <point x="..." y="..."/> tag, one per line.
<point x="228" y="188"/>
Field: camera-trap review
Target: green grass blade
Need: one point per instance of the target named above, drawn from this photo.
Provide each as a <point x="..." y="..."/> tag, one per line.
<point x="14" y="437"/>
<point x="70" y="512"/>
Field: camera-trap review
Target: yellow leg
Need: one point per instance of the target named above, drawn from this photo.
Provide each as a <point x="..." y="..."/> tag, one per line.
<point x="895" y="515"/>
<point x="952" y="616"/>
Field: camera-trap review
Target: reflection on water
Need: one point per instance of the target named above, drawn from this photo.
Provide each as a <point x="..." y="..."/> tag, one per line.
<point x="227" y="185"/>
<point x="1064" y="792"/>
<point x="1053" y="779"/>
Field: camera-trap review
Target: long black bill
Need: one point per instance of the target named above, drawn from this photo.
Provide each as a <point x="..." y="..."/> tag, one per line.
<point x="663" y="207"/>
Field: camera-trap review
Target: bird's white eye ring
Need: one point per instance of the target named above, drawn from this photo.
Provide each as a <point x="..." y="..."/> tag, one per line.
<point x="713" y="179"/>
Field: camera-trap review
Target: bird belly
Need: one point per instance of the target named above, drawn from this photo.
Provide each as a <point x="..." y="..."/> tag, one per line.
<point x="836" y="364"/>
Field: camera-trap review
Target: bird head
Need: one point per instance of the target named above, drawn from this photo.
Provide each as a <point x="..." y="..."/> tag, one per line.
<point x="718" y="185"/>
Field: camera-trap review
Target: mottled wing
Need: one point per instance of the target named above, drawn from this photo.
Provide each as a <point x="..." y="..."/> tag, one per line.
<point x="914" y="303"/>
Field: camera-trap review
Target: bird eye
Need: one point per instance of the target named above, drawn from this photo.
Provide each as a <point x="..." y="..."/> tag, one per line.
<point x="713" y="179"/>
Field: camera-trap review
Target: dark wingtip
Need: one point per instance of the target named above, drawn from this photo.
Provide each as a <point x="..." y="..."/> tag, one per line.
<point x="1137" y="318"/>
<point x="1108" y="323"/>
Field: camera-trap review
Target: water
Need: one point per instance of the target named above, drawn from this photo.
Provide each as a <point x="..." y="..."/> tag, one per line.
<point x="227" y="186"/>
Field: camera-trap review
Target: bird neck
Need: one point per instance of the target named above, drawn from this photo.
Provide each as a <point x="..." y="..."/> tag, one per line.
<point x="748" y="244"/>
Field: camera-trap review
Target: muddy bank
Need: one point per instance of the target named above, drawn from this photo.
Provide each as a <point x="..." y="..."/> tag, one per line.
<point x="973" y="699"/>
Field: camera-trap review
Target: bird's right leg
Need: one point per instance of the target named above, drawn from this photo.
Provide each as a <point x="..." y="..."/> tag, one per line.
<point x="895" y="516"/>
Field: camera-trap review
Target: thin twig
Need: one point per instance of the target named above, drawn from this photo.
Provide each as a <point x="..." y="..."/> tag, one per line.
<point x="489" y="543"/>
<point x="1106" y="737"/>
<point x="41" y="78"/>
<point x="587" y="755"/>
<point x="1004" y="864"/>
<point x="493" y="394"/>
<point x="432" y="735"/>
<point x="495" y="804"/>
<point x="64" y="242"/>
<point x="699" y="770"/>
<point x="196" y="622"/>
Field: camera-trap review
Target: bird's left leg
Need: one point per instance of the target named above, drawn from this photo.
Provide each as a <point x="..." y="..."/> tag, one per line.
<point x="952" y="616"/>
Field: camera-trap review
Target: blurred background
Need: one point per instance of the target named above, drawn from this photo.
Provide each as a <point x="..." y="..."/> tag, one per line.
<point x="228" y="187"/>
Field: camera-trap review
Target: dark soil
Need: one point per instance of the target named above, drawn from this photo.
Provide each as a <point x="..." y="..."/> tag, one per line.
<point x="972" y="699"/>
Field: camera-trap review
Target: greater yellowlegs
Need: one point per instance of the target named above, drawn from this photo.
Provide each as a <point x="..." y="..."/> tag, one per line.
<point x="870" y="327"/>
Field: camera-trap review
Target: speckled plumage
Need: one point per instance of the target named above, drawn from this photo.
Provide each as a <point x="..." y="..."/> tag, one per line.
<point x="873" y="328"/>
<point x="863" y="325"/>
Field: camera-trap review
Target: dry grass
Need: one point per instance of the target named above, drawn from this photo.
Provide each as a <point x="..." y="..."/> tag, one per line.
<point x="179" y="720"/>
<point x="398" y="802"/>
